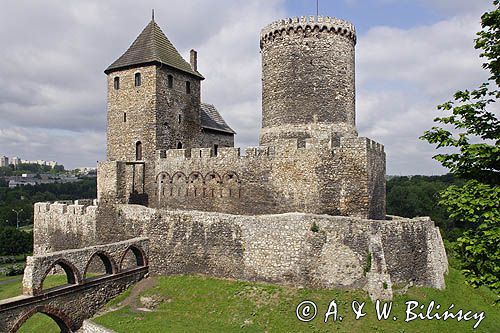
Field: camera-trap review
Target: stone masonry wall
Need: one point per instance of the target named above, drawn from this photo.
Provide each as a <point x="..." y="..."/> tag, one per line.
<point x="62" y="226"/>
<point x="282" y="248"/>
<point x="345" y="180"/>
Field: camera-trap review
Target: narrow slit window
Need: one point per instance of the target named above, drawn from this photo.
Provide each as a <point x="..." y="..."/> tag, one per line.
<point x="216" y="150"/>
<point x="138" y="150"/>
<point x="188" y="87"/>
<point x="137" y="79"/>
<point x="179" y="145"/>
<point x="170" y="81"/>
<point x="124" y="117"/>
<point x="116" y="83"/>
<point x="180" y="119"/>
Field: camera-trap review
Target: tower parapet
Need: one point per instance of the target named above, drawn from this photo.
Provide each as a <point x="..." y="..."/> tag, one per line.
<point x="308" y="85"/>
<point x="323" y="23"/>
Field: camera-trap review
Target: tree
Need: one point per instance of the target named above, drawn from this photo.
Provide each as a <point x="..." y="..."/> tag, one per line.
<point x="476" y="158"/>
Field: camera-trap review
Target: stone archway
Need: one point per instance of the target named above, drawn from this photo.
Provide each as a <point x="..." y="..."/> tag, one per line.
<point x="58" y="316"/>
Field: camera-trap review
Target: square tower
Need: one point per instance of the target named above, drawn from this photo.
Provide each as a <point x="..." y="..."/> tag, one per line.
<point x="153" y="99"/>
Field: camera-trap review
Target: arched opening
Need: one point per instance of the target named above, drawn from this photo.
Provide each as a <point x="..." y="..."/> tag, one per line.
<point x="99" y="264"/>
<point x="132" y="258"/>
<point x="137" y="79"/>
<point x="43" y="319"/>
<point x="116" y="83"/>
<point x="188" y="87"/>
<point x="138" y="150"/>
<point x="62" y="273"/>
<point x="179" y="145"/>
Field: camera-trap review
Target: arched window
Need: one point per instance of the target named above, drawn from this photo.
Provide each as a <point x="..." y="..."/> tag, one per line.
<point x="138" y="150"/>
<point x="216" y="149"/>
<point x="179" y="145"/>
<point x="188" y="87"/>
<point x="116" y="82"/>
<point x="170" y="81"/>
<point x="137" y="79"/>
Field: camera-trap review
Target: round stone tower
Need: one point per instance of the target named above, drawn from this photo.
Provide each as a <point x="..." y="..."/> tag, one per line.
<point x="307" y="79"/>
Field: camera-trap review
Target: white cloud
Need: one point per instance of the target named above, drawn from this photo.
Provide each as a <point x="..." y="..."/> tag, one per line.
<point x="403" y="75"/>
<point x="52" y="86"/>
<point x="54" y="54"/>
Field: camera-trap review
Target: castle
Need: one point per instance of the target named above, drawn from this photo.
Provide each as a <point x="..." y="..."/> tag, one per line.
<point x="305" y="207"/>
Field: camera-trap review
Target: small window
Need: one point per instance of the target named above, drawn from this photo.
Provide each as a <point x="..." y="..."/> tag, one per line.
<point x="116" y="83"/>
<point x="138" y="150"/>
<point x="137" y="79"/>
<point x="188" y="87"/>
<point x="216" y="150"/>
<point x="124" y="117"/>
<point x="179" y="145"/>
<point x="180" y="119"/>
<point x="170" y="81"/>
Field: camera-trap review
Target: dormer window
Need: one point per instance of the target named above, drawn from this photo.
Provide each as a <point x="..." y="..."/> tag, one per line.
<point x="170" y="81"/>
<point x="116" y="83"/>
<point x="137" y="79"/>
<point x="188" y="87"/>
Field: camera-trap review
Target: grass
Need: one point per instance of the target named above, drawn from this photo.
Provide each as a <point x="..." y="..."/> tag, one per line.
<point x="39" y="322"/>
<point x="195" y="303"/>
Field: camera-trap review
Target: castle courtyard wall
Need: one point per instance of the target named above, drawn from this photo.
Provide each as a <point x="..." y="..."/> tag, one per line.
<point x="347" y="179"/>
<point x="282" y="248"/>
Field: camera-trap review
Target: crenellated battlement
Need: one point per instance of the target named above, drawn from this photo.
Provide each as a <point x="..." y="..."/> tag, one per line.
<point x="223" y="153"/>
<point x="323" y="24"/>
<point x="361" y="143"/>
<point x="78" y="207"/>
<point x="282" y="147"/>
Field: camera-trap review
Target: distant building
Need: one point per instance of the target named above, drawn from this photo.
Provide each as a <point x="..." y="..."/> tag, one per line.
<point x="39" y="162"/>
<point x="4" y="161"/>
<point x="15" y="160"/>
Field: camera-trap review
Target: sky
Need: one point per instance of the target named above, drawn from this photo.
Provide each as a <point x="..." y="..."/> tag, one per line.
<point x="411" y="55"/>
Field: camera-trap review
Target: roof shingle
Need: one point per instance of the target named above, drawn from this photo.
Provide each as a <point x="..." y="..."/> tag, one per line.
<point x="211" y="119"/>
<point x="152" y="46"/>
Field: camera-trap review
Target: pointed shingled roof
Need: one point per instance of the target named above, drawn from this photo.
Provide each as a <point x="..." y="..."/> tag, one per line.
<point x="152" y="46"/>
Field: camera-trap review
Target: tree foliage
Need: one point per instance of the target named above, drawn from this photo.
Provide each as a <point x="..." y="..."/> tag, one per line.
<point x="475" y="141"/>
<point x="419" y="196"/>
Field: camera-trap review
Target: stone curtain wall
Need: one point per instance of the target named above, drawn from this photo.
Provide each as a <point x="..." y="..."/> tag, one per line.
<point x="61" y="226"/>
<point x="282" y="248"/>
<point x="308" y="84"/>
<point x="346" y="180"/>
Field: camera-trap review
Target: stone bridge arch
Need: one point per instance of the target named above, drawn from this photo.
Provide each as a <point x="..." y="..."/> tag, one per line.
<point x="70" y="305"/>
<point x="139" y="254"/>
<point x="73" y="275"/>
<point x="109" y="263"/>
<point x="61" y="319"/>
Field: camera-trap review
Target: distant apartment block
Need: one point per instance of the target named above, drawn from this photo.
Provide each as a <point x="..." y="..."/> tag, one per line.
<point x="4" y="161"/>
<point x="15" y="160"/>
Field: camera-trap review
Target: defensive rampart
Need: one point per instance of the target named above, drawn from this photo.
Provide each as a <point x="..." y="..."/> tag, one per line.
<point x="341" y="177"/>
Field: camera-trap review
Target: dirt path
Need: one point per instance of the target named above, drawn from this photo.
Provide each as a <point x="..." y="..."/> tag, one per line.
<point x="133" y="299"/>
